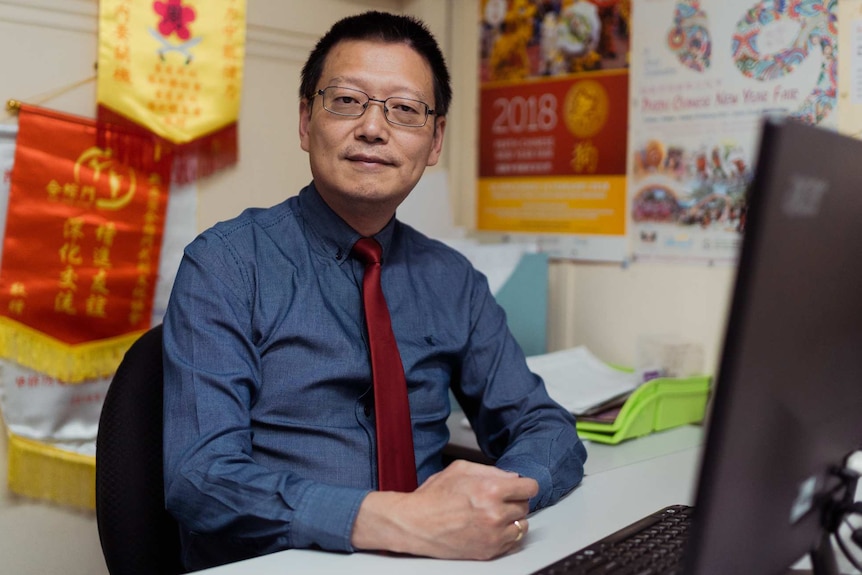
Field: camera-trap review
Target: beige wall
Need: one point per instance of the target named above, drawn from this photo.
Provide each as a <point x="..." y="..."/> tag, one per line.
<point x="49" y="45"/>
<point x="604" y="306"/>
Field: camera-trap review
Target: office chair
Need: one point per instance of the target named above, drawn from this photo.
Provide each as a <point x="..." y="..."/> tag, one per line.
<point x="138" y="536"/>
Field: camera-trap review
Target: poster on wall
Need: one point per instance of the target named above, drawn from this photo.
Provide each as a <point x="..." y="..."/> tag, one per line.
<point x="553" y="122"/>
<point x="704" y="73"/>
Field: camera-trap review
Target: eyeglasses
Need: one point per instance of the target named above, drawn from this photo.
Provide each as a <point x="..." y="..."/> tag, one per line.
<point x="353" y="103"/>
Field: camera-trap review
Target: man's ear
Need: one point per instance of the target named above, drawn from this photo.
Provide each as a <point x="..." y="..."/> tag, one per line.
<point x="437" y="144"/>
<point x="304" y="120"/>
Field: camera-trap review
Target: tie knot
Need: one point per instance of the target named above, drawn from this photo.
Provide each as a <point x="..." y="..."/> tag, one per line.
<point x="368" y="250"/>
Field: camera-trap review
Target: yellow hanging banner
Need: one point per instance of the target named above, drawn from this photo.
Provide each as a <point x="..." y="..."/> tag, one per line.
<point x="175" y="68"/>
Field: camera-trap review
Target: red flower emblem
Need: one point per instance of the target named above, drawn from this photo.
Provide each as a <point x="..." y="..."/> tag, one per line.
<point x="175" y="18"/>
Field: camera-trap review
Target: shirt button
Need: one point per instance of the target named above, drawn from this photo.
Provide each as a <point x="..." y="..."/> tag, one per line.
<point x="367" y="410"/>
<point x="339" y="254"/>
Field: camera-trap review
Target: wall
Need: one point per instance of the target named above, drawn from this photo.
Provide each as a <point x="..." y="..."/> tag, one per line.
<point x="606" y="307"/>
<point x="50" y="44"/>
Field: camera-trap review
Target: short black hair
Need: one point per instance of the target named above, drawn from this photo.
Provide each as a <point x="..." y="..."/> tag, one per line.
<point x="381" y="27"/>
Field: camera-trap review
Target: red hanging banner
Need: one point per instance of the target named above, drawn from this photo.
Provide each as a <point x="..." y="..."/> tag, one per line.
<point x="81" y="250"/>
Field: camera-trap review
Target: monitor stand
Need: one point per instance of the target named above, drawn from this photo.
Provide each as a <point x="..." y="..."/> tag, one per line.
<point x="835" y="507"/>
<point x="823" y="556"/>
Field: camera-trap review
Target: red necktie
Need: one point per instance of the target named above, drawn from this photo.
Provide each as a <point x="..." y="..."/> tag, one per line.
<point x="396" y="463"/>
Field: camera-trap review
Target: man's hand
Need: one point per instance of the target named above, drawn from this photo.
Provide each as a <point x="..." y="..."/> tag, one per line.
<point x="467" y="511"/>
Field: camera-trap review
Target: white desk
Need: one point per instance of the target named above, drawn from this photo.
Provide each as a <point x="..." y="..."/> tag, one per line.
<point x="600" y="457"/>
<point x="623" y="484"/>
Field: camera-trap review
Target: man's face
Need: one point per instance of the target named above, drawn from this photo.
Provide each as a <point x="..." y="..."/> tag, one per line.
<point x="367" y="165"/>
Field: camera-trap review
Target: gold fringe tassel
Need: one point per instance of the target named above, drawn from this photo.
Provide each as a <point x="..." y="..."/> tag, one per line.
<point x="41" y="471"/>
<point x="64" y="362"/>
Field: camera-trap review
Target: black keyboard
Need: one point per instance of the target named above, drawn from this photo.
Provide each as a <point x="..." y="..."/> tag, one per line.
<point x="650" y="546"/>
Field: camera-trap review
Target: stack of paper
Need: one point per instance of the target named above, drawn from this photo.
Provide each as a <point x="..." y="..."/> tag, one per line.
<point x="579" y="381"/>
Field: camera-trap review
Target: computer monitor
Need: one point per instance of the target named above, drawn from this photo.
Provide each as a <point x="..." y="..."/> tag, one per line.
<point x="787" y="404"/>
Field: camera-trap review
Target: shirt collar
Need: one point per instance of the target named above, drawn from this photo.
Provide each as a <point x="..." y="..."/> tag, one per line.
<point x="335" y="238"/>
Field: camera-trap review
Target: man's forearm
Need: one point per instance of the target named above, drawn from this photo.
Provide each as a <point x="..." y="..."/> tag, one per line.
<point x="467" y="511"/>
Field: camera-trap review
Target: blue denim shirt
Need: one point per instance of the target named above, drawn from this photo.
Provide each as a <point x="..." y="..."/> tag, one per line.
<point x="269" y="417"/>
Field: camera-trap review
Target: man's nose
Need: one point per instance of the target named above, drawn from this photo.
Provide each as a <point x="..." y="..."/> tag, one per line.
<point x="369" y="107"/>
<point x="373" y="122"/>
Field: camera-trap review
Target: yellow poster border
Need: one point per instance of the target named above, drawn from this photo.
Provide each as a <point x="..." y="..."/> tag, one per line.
<point x="594" y="205"/>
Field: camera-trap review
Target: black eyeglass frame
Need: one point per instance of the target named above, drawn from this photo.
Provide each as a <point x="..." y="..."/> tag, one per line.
<point x="428" y="110"/>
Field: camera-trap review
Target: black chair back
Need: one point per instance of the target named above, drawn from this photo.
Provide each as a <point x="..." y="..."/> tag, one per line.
<point x="138" y="536"/>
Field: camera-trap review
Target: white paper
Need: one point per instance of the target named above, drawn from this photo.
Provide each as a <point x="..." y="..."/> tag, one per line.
<point x="578" y="380"/>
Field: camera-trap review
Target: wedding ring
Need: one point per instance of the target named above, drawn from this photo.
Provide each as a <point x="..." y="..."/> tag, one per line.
<point x="520" y="531"/>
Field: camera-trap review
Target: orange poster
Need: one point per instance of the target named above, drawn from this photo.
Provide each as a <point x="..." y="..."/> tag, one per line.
<point x="552" y="157"/>
<point x="553" y="124"/>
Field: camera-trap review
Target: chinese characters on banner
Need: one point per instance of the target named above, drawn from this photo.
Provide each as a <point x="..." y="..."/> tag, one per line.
<point x="175" y="68"/>
<point x="52" y="423"/>
<point x="553" y="122"/>
<point x="703" y="74"/>
<point x="81" y="249"/>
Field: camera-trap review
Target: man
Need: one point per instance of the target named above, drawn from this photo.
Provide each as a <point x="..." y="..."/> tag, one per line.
<point x="269" y="404"/>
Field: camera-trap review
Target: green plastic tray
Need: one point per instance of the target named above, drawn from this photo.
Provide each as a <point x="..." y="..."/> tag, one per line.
<point x="658" y="404"/>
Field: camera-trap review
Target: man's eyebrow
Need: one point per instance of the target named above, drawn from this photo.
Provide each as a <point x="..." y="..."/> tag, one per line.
<point x="398" y="91"/>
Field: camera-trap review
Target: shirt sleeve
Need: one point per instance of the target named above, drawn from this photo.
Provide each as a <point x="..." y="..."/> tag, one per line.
<point x="213" y="485"/>
<point x="515" y="420"/>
